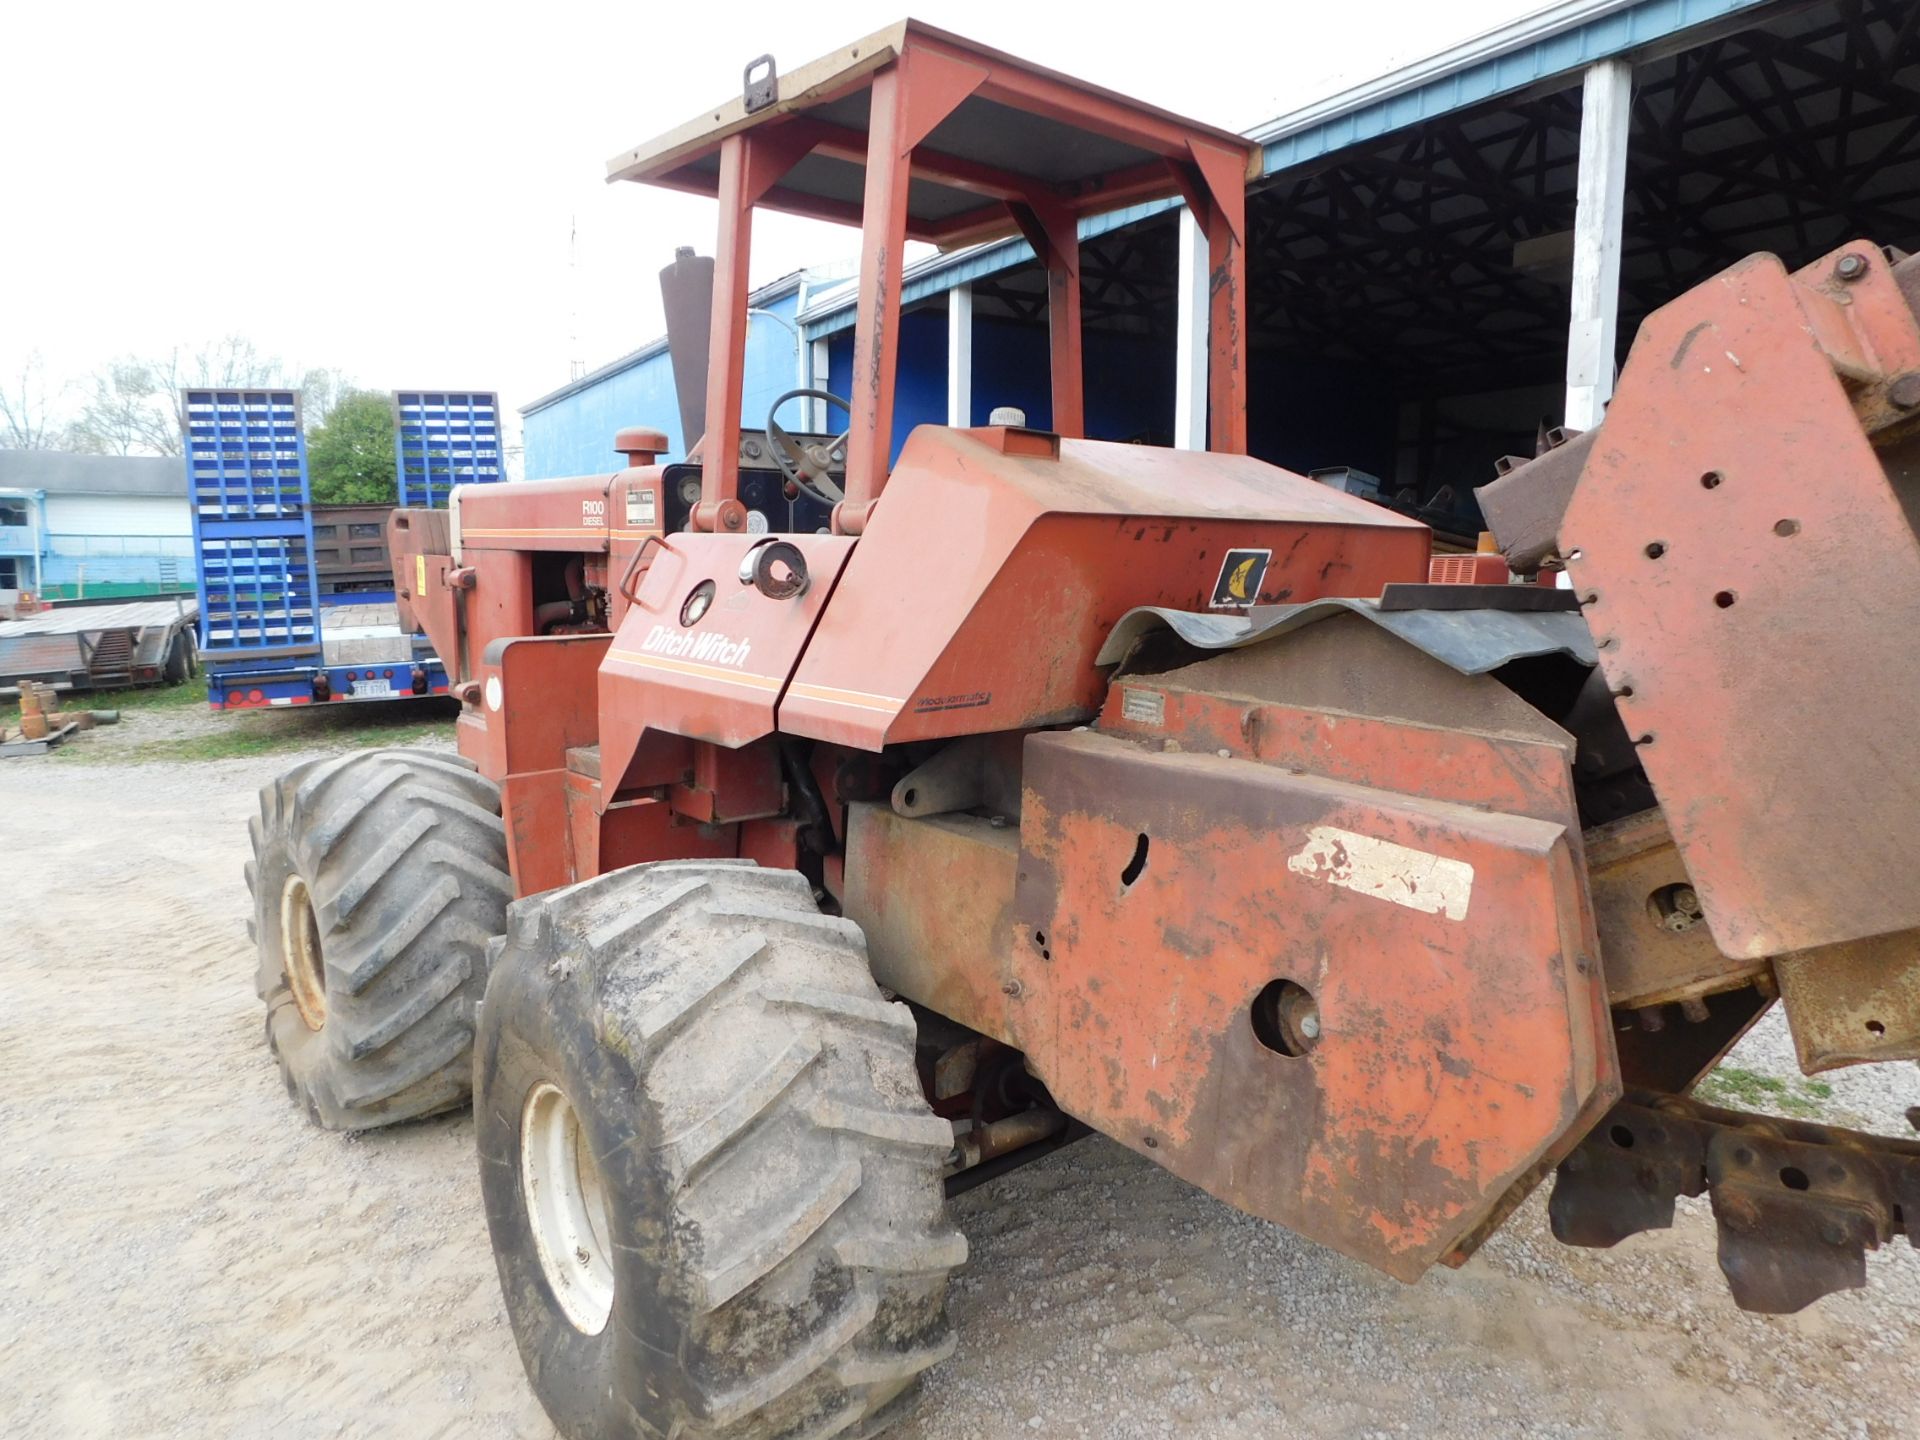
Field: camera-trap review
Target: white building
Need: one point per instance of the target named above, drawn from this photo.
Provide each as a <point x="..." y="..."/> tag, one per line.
<point x="94" y="525"/>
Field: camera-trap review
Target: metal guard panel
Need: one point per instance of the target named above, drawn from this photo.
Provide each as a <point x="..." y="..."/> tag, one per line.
<point x="544" y="687"/>
<point x="1753" y="582"/>
<point x="1461" y="1015"/>
<point x="985" y="581"/>
<point x="934" y="899"/>
<point x="1471" y="641"/>
<point x="717" y="679"/>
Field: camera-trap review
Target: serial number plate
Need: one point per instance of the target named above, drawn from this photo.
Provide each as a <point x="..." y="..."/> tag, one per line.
<point x="372" y="689"/>
<point x="1143" y="707"/>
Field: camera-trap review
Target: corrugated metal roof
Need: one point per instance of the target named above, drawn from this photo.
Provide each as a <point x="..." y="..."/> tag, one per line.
<point x="59" y="473"/>
<point x="1556" y="41"/>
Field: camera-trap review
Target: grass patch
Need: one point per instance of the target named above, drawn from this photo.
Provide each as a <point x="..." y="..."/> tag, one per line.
<point x="249" y="737"/>
<point x="150" y="697"/>
<point x="1737" y="1088"/>
<point x="362" y="726"/>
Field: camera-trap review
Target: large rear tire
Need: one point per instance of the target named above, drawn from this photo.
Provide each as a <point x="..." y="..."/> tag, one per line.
<point x="378" y="880"/>
<point x="711" y="1177"/>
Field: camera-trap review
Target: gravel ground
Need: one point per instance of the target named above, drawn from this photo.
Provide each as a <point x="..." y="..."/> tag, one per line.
<point x="181" y="1255"/>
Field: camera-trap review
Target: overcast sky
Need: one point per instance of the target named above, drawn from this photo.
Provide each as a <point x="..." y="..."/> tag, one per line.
<point x="390" y="189"/>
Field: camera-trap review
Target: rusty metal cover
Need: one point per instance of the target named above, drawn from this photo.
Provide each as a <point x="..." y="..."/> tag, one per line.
<point x="1363" y="1015"/>
<point x="1754" y="588"/>
<point x="1853" y="1004"/>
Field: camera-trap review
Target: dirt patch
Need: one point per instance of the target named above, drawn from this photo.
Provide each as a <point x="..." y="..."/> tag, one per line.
<point x="182" y="1255"/>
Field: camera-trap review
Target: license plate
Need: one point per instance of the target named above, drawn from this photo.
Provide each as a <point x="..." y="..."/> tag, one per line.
<point x="372" y="689"/>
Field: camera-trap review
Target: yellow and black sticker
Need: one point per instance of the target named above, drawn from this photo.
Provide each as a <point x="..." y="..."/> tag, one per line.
<point x="1240" y="576"/>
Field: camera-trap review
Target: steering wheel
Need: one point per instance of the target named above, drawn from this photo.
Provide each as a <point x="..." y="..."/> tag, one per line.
<point x="807" y="465"/>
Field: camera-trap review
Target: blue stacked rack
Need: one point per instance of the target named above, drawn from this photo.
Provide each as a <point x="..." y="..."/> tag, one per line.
<point x="246" y="459"/>
<point x="444" y="438"/>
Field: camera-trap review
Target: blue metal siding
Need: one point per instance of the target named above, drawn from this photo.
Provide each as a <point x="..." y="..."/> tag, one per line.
<point x="839" y="377"/>
<point x="252" y="525"/>
<point x="1130" y="385"/>
<point x="920" y="383"/>
<point x="1129" y="378"/>
<point x="1011" y="367"/>
<point x="573" y="435"/>
<point x="444" y="438"/>
<point x="929" y="279"/>
<point x="920" y="390"/>
<point x="774" y="361"/>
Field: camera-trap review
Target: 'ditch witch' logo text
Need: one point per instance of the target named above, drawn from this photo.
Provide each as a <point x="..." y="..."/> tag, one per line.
<point x="712" y="647"/>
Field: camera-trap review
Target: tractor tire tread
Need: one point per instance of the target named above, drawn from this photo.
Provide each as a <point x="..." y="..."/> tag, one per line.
<point x="404" y="857"/>
<point x="776" y="1090"/>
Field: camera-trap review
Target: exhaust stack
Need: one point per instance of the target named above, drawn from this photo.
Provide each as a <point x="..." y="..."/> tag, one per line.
<point x="686" y="292"/>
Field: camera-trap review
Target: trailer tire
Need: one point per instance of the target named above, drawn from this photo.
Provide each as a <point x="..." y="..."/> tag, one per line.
<point x="377" y="881"/>
<point x="178" y="665"/>
<point x="697" y="1046"/>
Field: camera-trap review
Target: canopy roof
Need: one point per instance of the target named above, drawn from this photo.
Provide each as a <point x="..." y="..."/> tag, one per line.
<point x="1024" y="135"/>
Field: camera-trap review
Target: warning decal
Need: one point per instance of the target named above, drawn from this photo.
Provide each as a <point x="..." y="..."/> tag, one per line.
<point x="1240" y="576"/>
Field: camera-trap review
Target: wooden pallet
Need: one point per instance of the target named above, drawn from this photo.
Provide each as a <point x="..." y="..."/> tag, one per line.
<point x="38" y="747"/>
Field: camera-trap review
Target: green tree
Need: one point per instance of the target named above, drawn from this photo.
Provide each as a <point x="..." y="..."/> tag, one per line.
<point x="350" y="452"/>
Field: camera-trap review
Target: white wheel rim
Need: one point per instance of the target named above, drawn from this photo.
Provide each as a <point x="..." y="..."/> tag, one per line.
<point x="300" y="956"/>
<point x="566" y="1209"/>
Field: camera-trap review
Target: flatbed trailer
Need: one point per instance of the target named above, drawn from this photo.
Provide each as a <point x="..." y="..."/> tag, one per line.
<point x="100" y="647"/>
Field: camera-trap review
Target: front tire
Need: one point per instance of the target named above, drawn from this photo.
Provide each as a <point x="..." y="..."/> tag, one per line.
<point x="712" y="1180"/>
<point x="377" y="879"/>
